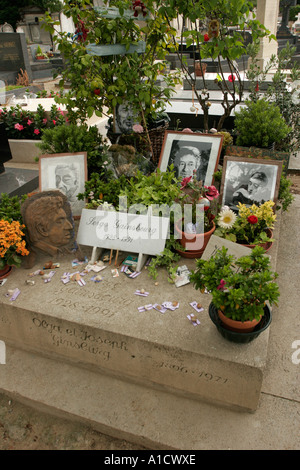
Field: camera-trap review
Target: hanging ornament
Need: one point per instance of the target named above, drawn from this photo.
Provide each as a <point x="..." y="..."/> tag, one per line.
<point x="138" y="7"/>
<point x="213" y="29"/>
<point x="193" y="108"/>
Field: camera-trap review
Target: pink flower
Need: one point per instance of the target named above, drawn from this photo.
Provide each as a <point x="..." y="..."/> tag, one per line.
<point x="36" y="131"/>
<point x="185" y="181"/>
<point x="231" y="77"/>
<point x="45" y="121"/>
<point x="221" y="286"/>
<point x="19" y="127"/>
<point x="54" y="122"/>
<point x="138" y="128"/>
<point x="29" y="122"/>
<point x="212" y="192"/>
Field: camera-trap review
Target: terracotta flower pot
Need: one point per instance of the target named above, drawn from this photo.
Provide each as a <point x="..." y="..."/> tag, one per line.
<point x="236" y="325"/>
<point x="266" y="246"/>
<point x="5" y="272"/>
<point x="194" y="242"/>
<point x="200" y="69"/>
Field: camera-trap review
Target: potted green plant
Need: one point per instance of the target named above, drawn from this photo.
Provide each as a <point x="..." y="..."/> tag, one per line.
<point x="250" y="227"/>
<point x="241" y="289"/>
<point x="199" y="200"/>
<point x="39" y="54"/>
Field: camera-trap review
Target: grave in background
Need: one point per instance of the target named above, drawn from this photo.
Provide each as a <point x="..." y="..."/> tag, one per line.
<point x="13" y="57"/>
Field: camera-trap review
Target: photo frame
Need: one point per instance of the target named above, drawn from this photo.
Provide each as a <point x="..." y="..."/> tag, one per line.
<point x="191" y="151"/>
<point x="249" y="181"/>
<point x="66" y="172"/>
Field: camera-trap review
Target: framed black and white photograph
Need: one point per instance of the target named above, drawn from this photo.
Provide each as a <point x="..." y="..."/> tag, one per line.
<point x="249" y="181"/>
<point x="66" y="172"/>
<point x="191" y="154"/>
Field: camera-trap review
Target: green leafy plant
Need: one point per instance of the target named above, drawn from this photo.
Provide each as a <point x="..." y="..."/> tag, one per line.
<point x="260" y="124"/>
<point x="285" y="196"/>
<point x="239" y="287"/>
<point x="159" y="190"/>
<point x="249" y="226"/>
<point x="102" y="187"/>
<point x="167" y="259"/>
<point x="283" y="91"/>
<point x="76" y="138"/>
<point x="10" y="207"/>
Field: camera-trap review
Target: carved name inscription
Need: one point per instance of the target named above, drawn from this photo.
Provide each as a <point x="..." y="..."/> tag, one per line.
<point x="79" y="339"/>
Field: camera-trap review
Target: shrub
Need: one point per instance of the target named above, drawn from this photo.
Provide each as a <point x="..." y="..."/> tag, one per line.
<point x="72" y="139"/>
<point x="260" y="124"/>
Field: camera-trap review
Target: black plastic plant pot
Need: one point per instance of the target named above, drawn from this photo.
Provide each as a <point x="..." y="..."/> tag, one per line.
<point x="240" y="337"/>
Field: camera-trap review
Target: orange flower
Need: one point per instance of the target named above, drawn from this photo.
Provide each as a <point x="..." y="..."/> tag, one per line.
<point x="11" y="240"/>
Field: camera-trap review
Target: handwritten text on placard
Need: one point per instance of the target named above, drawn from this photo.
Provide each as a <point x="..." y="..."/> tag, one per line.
<point x="122" y="231"/>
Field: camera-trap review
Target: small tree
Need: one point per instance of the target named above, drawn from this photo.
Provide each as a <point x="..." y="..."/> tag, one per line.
<point x="214" y="28"/>
<point x="100" y="82"/>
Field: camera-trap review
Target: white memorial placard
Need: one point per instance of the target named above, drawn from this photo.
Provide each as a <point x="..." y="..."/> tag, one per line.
<point x="122" y="231"/>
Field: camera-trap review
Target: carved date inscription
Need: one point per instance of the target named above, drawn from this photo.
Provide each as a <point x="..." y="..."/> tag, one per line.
<point x="193" y="371"/>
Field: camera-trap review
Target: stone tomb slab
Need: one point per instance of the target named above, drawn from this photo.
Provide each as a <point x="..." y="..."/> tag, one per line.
<point x="98" y="326"/>
<point x="18" y="181"/>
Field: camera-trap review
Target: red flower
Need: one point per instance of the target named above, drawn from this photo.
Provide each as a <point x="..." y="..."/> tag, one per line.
<point x="212" y="192"/>
<point x="231" y="77"/>
<point x="257" y="87"/>
<point x="185" y="181"/>
<point x="252" y="219"/>
<point x="206" y="37"/>
<point x="97" y="91"/>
